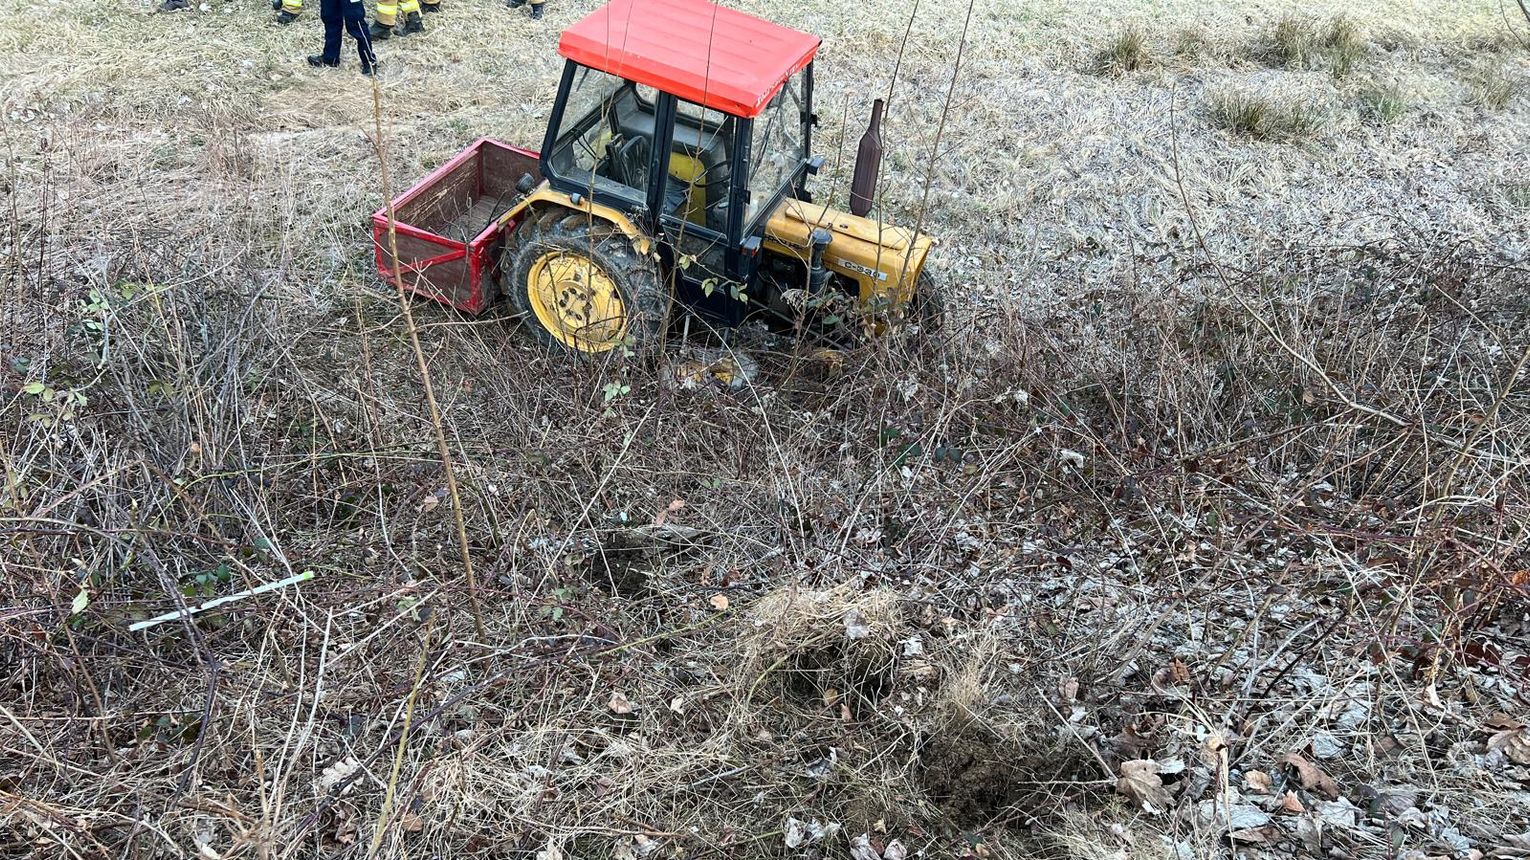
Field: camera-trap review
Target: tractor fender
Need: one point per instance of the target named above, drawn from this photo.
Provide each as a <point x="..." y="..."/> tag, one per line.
<point x="884" y="261"/>
<point x="544" y="197"/>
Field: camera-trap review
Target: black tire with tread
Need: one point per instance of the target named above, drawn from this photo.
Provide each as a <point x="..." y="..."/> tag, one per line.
<point x="928" y="307"/>
<point x="636" y="277"/>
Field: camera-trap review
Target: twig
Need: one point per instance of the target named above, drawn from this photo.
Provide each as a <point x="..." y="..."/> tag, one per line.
<point x="442" y="448"/>
<point x="403" y="740"/>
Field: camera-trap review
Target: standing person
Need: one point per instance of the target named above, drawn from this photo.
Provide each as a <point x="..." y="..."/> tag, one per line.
<point x="536" y="7"/>
<point x="387" y="22"/>
<point x="353" y="15"/>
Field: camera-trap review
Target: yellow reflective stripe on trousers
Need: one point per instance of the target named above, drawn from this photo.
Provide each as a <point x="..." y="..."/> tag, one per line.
<point x="292" y="7"/>
<point x="408" y="6"/>
<point x="387" y="13"/>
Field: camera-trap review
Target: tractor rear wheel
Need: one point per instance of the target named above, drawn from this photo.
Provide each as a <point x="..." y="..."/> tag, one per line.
<point x="582" y="285"/>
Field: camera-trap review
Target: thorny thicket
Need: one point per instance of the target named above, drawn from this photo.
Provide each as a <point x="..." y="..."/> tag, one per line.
<point x="965" y="577"/>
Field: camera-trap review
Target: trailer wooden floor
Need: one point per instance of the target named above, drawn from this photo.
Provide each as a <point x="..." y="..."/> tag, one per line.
<point x="465" y="227"/>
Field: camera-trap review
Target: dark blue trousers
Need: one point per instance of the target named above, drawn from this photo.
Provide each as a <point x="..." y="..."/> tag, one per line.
<point x="353" y="15"/>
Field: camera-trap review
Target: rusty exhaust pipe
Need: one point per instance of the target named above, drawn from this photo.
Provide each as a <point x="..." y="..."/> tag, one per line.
<point x="868" y="164"/>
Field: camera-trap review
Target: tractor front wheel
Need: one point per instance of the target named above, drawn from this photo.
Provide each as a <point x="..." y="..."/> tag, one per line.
<point x="582" y="285"/>
<point x="928" y="307"/>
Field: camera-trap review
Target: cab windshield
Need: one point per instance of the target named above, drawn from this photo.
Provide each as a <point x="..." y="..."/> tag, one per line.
<point x="604" y="136"/>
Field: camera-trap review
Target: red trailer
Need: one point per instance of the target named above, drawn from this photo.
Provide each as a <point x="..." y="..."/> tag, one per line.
<point x="451" y="225"/>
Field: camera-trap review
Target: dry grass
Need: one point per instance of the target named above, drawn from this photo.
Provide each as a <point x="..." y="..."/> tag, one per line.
<point x="1306" y="43"/>
<point x="1265" y="117"/>
<point x="1383" y="102"/>
<point x="1494" y="86"/>
<point x="1130" y="502"/>
<point x="1127" y="52"/>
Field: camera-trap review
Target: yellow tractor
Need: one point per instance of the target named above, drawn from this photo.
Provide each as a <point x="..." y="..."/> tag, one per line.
<point x="672" y="177"/>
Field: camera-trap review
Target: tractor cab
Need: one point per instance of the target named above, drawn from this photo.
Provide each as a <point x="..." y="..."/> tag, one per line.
<point x="695" y="121"/>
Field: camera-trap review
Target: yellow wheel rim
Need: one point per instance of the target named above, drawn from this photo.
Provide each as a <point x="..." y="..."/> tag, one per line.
<point x="577" y="302"/>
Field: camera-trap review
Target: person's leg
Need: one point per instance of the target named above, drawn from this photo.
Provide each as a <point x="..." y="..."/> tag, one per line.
<point x="287" y="11"/>
<point x="356" y="25"/>
<point x="332" y="16"/>
<point x="410" y="9"/>
<point x="536" y="9"/>
<point x="387" y="16"/>
<point x="428" y="6"/>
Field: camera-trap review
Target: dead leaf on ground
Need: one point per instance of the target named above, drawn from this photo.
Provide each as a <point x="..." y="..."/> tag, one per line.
<point x="860" y="848"/>
<point x="895" y="851"/>
<point x="1179" y="673"/>
<point x="619" y="704"/>
<point x="674" y="506"/>
<point x="1255" y="835"/>
<point x="1140" y="781"/>
<point x="1258" y="782"/>
<point x="1291" y="803"/>
<point x="719" y="602"/>
<point x="1514" y="743"/>
<point x="1502" y="722"/>
<point x="1311" y="777"/>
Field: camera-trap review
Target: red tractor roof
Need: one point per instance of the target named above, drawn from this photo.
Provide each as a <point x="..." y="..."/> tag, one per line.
<point x="696" y="50"/>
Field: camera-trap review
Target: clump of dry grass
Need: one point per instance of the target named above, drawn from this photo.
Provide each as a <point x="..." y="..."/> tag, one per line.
<point x="1262" y="116"/>
<point x="1382" y="102"/>
<point x="1494" y="86"/>
<point x="1305" y="43"/>
<point x="1127" y="52"/>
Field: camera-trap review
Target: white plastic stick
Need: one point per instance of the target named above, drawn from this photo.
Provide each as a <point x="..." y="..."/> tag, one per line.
<point x="259" y="589"/>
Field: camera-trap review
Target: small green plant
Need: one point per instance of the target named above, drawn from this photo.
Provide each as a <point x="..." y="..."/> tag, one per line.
<point x="613" y="390"/>
<point x="1516" y="195"/>
<point x="734" y="288"/>
<point x="1382" y="102"/>
<point x="205" y="583"/>
<point x="54" y="405"/>
<point x="1127" y="52"/>
<point x="1493" y="87"/>
<point x="1262" y="118"/>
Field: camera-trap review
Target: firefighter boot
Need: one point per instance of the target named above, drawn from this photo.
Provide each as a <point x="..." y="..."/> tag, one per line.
<point x="536" y="11"/>
<point x="413" y="23"/>
<point x="378" y="31"/>
<point x="173" y="5"/>
<point x="430" y="7"/>
<point x="515" y="4"/>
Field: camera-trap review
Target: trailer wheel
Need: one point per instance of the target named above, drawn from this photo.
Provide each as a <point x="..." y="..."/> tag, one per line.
<point x="582" y="285"/>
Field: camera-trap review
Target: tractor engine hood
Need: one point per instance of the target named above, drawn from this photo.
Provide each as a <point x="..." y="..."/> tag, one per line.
<point x="883" y="260"/>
